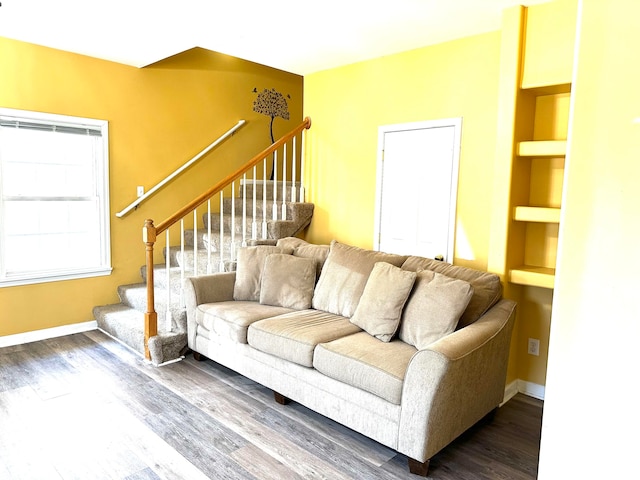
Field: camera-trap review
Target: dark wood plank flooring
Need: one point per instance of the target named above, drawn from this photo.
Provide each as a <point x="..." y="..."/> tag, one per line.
<point x="85" y="407"/>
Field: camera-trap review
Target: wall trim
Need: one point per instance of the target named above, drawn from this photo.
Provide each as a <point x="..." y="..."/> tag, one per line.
<point x="526" y="388"/>
<point x="36" y="335"/>
<point x="531" y="389"/>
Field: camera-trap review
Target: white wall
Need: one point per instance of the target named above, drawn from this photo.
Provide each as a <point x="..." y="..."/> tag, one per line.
<point x="591" y="418"/>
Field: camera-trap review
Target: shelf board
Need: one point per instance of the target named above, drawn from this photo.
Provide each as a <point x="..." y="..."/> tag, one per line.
<point x="542" y="148"/>
<point x="547" y="89"/>
<point x="537" y="214"/>
<point x="533" y="276"/>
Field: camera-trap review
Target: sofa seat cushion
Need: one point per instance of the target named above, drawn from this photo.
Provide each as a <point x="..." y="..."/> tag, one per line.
<point x="232" y="318"/>
<point x="487" y="289"/>
<point x="365" y="362"/>
<point x="294" y="336"/>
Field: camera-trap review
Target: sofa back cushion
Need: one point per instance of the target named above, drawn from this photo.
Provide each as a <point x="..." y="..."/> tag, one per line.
<point x="304" y="249"/>
<point x="434" y="308"/>
<point x="249" y="270"/>
<point x="487" y="289"/>
<point x="344" y="276"/>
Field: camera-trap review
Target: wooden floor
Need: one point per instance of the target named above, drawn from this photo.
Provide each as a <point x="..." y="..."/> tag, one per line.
<point x="84" y="407"/>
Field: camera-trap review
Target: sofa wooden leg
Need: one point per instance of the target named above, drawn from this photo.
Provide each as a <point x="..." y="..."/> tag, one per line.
<point x="418" y="468"/>
<point x="281" y="399"/>
<point x="198" y="356"/>
<point x="488" y="418"/>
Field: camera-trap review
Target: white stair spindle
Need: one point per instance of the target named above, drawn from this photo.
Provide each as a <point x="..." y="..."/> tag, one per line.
<point x="221" y="240"/>
<point x="284" y="182"/>
<point x="303" y="139"/>
<point x="195" y="243"/>
<point x="182" y="258"/>
<point x="209" y="266"/>
<point x="274" y="186"/>
<point x="233" y="221"/>
<point x="244" y="210"/>
<point x="293" y="171"/>
<point x="264" y="198"/>
<point x="168" y="280"/>
<point x="254" y="224"/>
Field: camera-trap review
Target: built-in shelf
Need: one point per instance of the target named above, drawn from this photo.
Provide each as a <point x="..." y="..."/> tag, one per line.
<point x="542" y="148"/>
<point x="533" y="276"/>
<point x="547" y="89"/>
<point x="537" y="214"/>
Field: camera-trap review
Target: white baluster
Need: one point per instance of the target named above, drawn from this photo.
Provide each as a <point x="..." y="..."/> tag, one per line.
<point x="195" y="243"/>
<point x="254" y="224"/>
<point x="209" y="266"/>
<point x="264" y="198"/>
<point x="293" y="171"/>
<point x="303" y="140"/>
<point x="274" y="185"/>
<point x="244" y="211"/>
<point x="168" y="280"/>
<point x="233" y="221"/>
<point x="284" y="182"/>
<point x="221" y="240"/>
<point x="182" y="257"/>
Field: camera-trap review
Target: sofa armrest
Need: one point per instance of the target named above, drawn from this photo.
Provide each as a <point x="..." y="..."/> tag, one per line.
<point x="205" y="289"/>
<point x="455" y="382"/>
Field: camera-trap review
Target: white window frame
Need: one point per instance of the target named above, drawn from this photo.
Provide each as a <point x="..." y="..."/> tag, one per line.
<point x="100" y="192"/>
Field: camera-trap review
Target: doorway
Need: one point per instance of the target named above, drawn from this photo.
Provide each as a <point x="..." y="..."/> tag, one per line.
<point x="417" y="186"/>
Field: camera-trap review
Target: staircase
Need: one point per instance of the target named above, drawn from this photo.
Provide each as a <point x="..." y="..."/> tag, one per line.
<point x="209" y="246"/>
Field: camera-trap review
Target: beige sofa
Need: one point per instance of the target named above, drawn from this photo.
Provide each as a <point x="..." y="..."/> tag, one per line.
<point x="406" y="350"/>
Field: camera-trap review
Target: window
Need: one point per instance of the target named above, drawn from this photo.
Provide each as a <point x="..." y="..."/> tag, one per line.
<point x="54" y="198"/>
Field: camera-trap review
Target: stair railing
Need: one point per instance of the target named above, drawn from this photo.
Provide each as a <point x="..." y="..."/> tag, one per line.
<point x="251" y="222"/>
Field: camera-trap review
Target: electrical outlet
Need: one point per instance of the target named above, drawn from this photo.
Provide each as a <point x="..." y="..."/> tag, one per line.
<point x="140" y="190"/>
<point x="534" y="347"/>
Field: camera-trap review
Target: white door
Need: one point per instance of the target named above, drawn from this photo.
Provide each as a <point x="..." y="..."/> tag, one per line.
<point x="417" y="188"/>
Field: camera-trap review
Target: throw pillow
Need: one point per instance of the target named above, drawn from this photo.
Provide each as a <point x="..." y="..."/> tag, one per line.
<point x="344" y="275"/>
<point x="288" y="281"/>
<point x="380" y="307"/>
<point x="487" y="288"/>
<point x="249" y="267"/>
<point x="434" y="308"/>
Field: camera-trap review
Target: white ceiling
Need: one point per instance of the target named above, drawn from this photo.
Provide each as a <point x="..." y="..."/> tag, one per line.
<point x="296" y="36"/>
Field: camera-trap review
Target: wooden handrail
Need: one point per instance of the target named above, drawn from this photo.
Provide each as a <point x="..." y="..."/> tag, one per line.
<point x="196" y="202"/>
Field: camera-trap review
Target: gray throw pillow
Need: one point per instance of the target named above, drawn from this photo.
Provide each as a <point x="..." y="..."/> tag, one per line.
<point x="288" y="281"/>
<point x="434" y="308"/>
<point x="249" y="269"/>
<point x="380" y="307"/>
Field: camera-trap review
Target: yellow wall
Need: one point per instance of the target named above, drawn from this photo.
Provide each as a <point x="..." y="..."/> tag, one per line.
<point x="590" y="408"/>
<point x="348" y="104"/>
<point x="159" y="117"/>
<point x="458" y="78"/>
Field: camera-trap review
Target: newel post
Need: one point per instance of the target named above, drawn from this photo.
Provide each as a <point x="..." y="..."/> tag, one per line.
<point x="150" y="316"/>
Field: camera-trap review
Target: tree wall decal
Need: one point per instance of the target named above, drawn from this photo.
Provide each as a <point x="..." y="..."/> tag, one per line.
<point x="272" y="104"/>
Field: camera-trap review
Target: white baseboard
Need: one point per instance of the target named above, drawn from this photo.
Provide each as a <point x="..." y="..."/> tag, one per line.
<point x="527" y="388"/>
<point x="28" y="337"/>
<point x="532" y="389"/>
